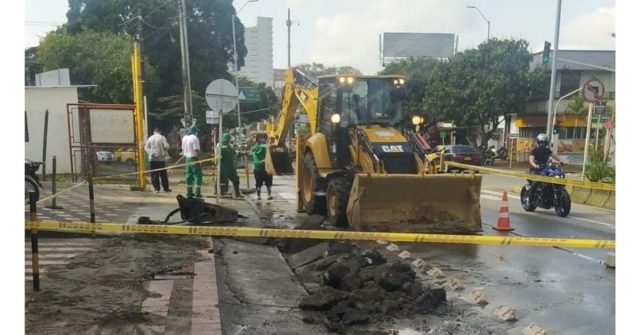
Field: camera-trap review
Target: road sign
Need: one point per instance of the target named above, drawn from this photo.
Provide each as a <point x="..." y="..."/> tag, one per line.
<point x="213" y="117"/>
<point x="249" y="94"/>
<point x="221" y="95"/>
<point x="600" y="108"/>
<point x="593" y="90"/>
<point x="608" y="124"/>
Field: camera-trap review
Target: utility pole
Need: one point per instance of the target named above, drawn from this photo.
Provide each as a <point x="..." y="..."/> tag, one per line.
<point x="186" y="75"/>
<point x="136" y="71"/>
<point x="554" y="58"/>
<point x="288" y="37"/>
<point x="291" y="132"/>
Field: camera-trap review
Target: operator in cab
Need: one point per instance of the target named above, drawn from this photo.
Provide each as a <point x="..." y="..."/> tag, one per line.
<point x="539" y="156"/>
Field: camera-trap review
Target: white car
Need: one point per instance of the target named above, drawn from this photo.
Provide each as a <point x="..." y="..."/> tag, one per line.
<point x="105" y="157"/>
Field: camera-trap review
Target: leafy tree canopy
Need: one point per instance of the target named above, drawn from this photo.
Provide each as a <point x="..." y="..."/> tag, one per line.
<point x="93" y="58"/>
<point x="314" y="70"/>
<point x="475" y="88"/>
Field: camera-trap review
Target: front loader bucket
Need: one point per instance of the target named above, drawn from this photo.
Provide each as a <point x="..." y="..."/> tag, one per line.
<point x="433" y="203"/>
<point x="280" y="159"/>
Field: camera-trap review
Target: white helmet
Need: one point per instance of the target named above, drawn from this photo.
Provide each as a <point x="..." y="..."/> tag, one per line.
<point x="542" y="140"/>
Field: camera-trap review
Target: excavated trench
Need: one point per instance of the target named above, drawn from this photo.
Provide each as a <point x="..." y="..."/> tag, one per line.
<point x="350" y="286"/>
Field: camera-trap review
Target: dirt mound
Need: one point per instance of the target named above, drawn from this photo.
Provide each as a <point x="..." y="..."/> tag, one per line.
<point x="350" y="286"/>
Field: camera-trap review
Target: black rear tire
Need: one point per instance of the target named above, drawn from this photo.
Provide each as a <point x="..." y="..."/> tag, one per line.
<point x="338" y="191"/>
<point x="525" y="199"/>
<point x="30" y="186"/>
<point x="563" y="205"/>
<point x="312" y="182"/>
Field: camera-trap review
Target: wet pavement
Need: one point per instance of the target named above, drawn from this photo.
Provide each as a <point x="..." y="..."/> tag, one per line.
<point x="565" y="291"/>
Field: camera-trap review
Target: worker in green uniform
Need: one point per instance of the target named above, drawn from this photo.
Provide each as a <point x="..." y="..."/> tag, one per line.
<point x="193" y="171"/>
<point x="228" y="165"/>
<point x="259" y="153"/>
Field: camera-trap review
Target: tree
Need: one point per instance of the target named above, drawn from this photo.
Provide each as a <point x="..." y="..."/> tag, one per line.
<point x="477" y="87"/>
<point x="576" y="107"/>
<point x="268" y="105"/>
<point x="314" y="70"/>
<point x="209" y="34"/>
<point x="416" y="71"/>
<point x="31" y="66"/>
<point x="102" y="59"/>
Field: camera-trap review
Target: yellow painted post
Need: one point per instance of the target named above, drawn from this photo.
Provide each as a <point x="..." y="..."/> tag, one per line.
<point x="138" y="112"/>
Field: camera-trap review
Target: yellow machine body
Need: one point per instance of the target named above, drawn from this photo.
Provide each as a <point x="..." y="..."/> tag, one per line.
<point x="379" y="182"/>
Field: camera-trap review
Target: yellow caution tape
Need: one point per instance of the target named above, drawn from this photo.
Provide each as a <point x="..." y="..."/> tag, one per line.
<point x="59" y="193"/>
<point x="317" y="234"/>
<point x="149" y="171"/>
<point x="562" y="181"/>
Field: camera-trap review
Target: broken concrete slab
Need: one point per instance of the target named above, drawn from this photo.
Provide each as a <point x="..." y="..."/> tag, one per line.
<point x="404" y="254"/>
<point x="393" y="248"/>
<point x="456" y="284"/>
<point x="323" y="299"/>
<point x="505" y="313"/>
<point x="435" y="273"/>
<point x="534" y="329"/>
<point x="419" y="264"/>
<point x="476" y="297"/>
<point x="610" y="262"/>
<point x="308" y="255"/>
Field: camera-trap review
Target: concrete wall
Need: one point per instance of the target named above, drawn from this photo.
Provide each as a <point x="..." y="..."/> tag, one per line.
<point x="55" y="99"/>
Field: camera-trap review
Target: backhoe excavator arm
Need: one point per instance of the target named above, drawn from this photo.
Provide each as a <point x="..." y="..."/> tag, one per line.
<point x="299" y="91"/>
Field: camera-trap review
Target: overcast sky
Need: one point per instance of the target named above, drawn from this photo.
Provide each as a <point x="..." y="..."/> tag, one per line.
<point x="346" y="32"/>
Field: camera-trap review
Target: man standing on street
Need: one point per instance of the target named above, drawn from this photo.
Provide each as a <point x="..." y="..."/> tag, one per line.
<point x="191" y="152"/>
<point x="259" y="153"/>
<point x="156" y="148"/>
<point x="228" y="165"/>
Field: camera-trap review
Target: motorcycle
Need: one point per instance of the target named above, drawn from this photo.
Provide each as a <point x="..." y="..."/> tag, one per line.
<point x="488" y="156"/>
<point x="31" y="180"/>
<point x="502" y="153"/>
<point x="546" y="195"/>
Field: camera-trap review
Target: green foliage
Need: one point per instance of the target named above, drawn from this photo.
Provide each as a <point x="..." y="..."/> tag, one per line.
<point x="417" y="71"/>
<point x="210" y="40"/>
<point x="93" y="58"/>
<point x="474" y="88"/>
<point x="576" y="106"/>
<point x="599" y="167"/>
<point x="260" y="110"/>
<point x="314" y="70"/>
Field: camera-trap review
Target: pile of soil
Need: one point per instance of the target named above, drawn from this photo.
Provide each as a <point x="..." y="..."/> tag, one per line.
<point x="102" y="291"/>
<point x="349" y="286"/>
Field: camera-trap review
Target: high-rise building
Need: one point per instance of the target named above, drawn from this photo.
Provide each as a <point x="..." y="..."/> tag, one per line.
<point x="258" y="64"/>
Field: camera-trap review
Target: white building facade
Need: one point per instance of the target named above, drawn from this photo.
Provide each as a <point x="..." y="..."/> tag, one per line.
<point x="258" y="64"/>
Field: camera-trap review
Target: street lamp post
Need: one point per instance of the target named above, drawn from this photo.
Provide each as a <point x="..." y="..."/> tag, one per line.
<point x="235" y="58"/>
<point x="484" y="18"/>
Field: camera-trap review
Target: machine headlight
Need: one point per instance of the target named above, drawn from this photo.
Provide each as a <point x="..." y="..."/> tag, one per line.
<point x="349" y="80"/>
<point x="341" y="80"/>
<point x="401" y="81"/>
<point x="335" y="118"/>
<point x="417" y="120"/>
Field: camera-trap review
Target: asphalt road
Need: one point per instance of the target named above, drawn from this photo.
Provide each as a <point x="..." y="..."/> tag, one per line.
<point x="565" y="291"/>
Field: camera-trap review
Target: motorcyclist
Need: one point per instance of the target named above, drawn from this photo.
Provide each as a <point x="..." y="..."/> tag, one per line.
<point x="539" y="156"/>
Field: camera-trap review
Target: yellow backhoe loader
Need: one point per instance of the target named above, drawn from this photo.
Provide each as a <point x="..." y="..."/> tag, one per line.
<point x="363" y="164"/>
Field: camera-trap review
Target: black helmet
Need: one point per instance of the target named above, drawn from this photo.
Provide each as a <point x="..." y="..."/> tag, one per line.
<point x="542" y="140"/>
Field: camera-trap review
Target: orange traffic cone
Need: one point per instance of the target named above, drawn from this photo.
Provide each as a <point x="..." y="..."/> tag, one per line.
<point x="503" y="223"/>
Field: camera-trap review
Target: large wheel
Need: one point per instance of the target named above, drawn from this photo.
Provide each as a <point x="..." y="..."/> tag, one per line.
<point x="563" y="204"/>
<point x="30" y="186"/>
<point x="338" y="191"/>
<point x="525" y="198"/>
<point x="312" y="183"/>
